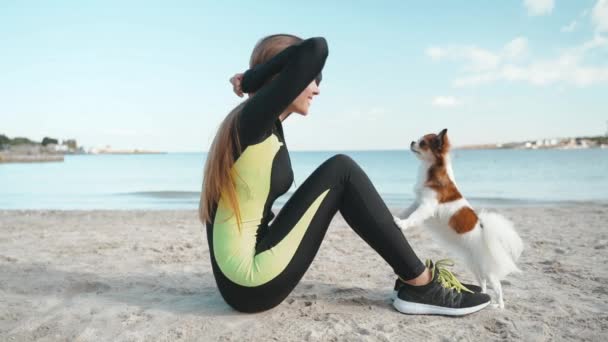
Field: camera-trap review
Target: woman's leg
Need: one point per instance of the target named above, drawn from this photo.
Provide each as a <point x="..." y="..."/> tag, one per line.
<point x="354" y="195"/>
<point x="337" y="184"/>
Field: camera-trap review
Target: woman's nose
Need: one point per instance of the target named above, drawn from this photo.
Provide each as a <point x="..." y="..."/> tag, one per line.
<point x="315" y="88"/>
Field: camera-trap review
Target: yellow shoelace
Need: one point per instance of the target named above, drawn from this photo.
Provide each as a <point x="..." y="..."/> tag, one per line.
<point x="446" y="278"/>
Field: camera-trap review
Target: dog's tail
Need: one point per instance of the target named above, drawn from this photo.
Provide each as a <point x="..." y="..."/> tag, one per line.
<point x="502" y="241"/>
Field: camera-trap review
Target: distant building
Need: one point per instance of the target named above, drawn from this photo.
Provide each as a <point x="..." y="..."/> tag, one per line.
<point x="61" y="148"/>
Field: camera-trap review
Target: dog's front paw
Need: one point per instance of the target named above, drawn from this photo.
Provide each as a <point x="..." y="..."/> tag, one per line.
<point x="402" y="224"/>
<point x="497" y="306"/>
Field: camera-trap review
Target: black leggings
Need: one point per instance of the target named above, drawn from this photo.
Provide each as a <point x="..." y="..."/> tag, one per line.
<point x="352" y="193"/>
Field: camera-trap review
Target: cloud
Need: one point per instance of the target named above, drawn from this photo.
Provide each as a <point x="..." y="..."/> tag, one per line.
<point x="570" y="27"/>
<point x="599" y="16"/>
<point x="577" y="65"/>
<point x="539" y="7"/>
<point x="445" y="101"/>
<point x="516" y="48"/>
<point x="435" y="53"/>
<point x="598" y="41"/>
<point x="478" y="59"/>
<point x="512" y="64"/>
<point x="565" y="68"/>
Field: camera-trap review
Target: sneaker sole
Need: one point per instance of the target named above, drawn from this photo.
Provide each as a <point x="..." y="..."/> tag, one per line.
<point x="426" y="309"/>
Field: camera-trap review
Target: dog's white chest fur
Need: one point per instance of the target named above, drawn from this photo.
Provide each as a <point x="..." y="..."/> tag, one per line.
<point x="489" y="245"/>
<point x="439" y="214"/>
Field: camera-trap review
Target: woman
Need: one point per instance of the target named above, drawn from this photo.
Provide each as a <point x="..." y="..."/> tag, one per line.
<point x="257" y="263"/>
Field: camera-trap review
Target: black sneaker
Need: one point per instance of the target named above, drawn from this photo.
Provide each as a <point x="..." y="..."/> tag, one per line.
<point x="429" y="265"/>
<point x="439" y="297"/>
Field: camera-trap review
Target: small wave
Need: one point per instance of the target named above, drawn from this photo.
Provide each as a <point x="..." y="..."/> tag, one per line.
<point x="164" y="194"/>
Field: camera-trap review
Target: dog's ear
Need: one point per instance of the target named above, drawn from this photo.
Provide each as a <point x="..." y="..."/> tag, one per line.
<point x="442" y="138"/>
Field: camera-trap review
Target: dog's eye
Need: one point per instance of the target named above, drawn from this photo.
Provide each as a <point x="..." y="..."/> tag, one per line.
<point x="422" y="143"/>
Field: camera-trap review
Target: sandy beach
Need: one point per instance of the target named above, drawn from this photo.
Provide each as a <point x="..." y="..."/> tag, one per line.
<point x="146" y="275"/>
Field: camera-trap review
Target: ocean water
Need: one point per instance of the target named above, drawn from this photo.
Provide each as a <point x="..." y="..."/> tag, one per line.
<point x="173" y="181"/>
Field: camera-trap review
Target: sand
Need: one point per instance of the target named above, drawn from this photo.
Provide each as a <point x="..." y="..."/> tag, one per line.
<point x="146" y="275"/>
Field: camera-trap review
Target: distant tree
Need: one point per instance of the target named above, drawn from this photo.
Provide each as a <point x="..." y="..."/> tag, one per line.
<point x="71" y="143"/>
<point x="4" y="140"/>
<point x="22" y="141"/>
<point x="598" y="139"/>
<point x="48" y="141"/>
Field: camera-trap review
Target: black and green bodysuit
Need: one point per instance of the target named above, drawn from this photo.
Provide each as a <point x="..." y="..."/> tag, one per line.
<point x="257" y="266"/>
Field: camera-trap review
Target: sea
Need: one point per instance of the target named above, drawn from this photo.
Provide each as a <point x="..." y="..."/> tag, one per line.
<point x="487" y="178"/>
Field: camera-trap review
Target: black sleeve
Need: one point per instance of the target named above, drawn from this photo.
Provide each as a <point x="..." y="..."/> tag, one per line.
<point x="296" y="67"/>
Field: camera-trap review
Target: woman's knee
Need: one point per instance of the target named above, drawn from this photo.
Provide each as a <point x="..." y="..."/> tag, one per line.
<point x="337" y="169"/>
<point x="341" y="161"/>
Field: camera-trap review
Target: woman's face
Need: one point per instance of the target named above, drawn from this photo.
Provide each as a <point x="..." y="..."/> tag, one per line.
<point x="301" y="104"/>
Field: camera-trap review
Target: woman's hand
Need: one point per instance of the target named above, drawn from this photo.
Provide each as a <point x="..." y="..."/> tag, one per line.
<point x="236" y="84"/>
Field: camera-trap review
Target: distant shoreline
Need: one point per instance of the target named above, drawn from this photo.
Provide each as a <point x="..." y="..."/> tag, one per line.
<point x="499" y="147"/>
<point x="576" y="143"/>
<point x="24" y="150"/>
<point x="26" y="158"/>
<point x="127" y="152"/>
<point x="8" y="157"/>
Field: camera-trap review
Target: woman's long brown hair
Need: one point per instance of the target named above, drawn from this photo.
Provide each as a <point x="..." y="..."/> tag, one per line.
<point x="219" y="176"/>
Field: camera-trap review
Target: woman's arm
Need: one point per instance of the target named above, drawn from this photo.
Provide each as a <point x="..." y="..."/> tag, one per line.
<point x="254" y="78"/>
<point x="296" y="67"/>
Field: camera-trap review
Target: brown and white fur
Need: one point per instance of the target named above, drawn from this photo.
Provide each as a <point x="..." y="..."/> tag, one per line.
<point x="487" y="242"/>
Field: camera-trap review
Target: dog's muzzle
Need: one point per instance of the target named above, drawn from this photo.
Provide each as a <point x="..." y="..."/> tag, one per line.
<point x="412" y="147"/>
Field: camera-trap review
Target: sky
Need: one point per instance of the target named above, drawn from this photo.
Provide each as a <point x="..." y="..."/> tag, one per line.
<point x="154" y="75"/>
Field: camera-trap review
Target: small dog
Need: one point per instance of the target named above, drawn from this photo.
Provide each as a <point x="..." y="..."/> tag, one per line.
<point x="487" y="243"/>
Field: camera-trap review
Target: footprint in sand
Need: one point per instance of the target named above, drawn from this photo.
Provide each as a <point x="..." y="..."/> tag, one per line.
<point x="87" y="287"/>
